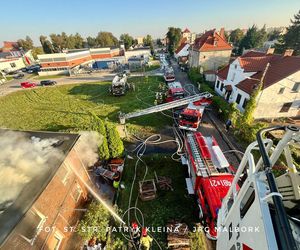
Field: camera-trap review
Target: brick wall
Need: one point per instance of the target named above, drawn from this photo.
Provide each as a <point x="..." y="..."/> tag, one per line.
<point x="57" y="204"/>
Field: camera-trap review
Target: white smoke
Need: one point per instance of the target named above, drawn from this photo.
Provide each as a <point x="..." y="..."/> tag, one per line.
<point x="22" y="159"/>
<point x="88" y="147"/>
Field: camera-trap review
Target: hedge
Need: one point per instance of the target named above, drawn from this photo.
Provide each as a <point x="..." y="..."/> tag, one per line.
<point x="115" y="144"/>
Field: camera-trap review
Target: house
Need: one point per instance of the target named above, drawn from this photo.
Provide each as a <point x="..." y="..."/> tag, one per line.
<point x="280" y="78"/>
<point x="182" y="51"/>
<point x="144" y="52"/>
<point x="41" y="196"/>
<point x="210" y="51"/>
<point x="188" y="35"/>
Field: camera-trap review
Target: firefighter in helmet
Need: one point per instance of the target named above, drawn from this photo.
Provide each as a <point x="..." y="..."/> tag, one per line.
<point x="116" y="179"/>
<point x="146" y="240"/>
<point x="135" y="234"/>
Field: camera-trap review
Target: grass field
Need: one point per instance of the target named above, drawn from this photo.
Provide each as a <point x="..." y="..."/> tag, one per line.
<point x="68" y="107"/>
<point x="168" y="205"/>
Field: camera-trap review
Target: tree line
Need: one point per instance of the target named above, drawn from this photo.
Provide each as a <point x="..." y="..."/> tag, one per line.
<point x="256" y="37"/>
<point x="56" y="43"/>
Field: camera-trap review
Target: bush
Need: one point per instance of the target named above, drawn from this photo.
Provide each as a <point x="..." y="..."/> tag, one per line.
<point x="115" y="144"/>
<point x="98" y="125"/>
<point x="97" y="216"/>
<point x="195" y="76"/>
<point x="247" y="132"/>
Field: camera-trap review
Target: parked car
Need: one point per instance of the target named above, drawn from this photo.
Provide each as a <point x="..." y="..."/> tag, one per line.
<point x="47" y="83"/>
<point x="18" y="76"/>
<point x="26" y="85"/>
<point x="33" y="69"/>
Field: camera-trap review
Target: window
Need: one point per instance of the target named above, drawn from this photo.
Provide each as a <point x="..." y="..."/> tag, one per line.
<point x="233" y="76"/>
<point x="247" y="201"/>
<point x="31" y="225"/>
<point x="222" y="86"/>
<point x="13" y="65"/>
<point x="218" y="84"/>
<point x="245" y="103"/>
<point x="55" y="241"/>
<point x="296" y="87"/>
<point x="76" y="192"/>
<point x="238" y="99"/>
<point x="281" y="90"/>
<point x="286" y="107"/>
<point x="64" y="174"/>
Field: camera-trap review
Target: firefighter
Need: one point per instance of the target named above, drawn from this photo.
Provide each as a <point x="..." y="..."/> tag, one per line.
<point x="145" y="240"/>
<point x="116" y="179"/>
<point x="135" y="234"/>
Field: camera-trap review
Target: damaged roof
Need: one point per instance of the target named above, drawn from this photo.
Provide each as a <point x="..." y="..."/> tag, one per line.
<point x="11" y="215"/>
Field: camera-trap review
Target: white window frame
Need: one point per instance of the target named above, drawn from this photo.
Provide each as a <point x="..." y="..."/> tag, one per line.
<point x="67" y="176"/>
<point x="80" y="192"/>
<point x="38" y="228"/>
<point x="58" y="235"/>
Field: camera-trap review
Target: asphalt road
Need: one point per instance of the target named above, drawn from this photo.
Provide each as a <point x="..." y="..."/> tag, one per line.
<point x="207" y="128"/>
<point x="14" y="85"/>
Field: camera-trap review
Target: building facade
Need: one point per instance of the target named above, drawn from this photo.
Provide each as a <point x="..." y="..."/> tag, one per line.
<point x="65" y="63"/>
<point x="49" y="207"/>
<point x="280" y="79"/>
<point x="210" y="51"/>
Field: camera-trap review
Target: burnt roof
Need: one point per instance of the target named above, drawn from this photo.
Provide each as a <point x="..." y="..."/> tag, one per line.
<point x="34" y="188"/>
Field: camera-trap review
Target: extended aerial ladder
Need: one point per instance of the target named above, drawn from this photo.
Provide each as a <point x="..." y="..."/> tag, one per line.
<point x="165" y="106"/>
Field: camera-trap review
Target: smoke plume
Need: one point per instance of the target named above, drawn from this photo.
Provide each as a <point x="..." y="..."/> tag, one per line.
<point x="88" y="147"/>
<point x="22" y="159"/>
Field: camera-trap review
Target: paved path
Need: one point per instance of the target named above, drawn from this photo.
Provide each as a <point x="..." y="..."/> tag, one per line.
<point x="211" y="125"/>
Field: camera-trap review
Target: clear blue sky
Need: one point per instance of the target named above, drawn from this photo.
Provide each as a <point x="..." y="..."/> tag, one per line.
<point x="19" y="18"/>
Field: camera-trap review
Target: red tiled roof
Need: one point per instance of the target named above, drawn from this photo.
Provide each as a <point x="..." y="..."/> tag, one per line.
<point x="207" y="40"/>
<point x="253" y="53"/>
<point x="280" y="67"/>
<point x="222" y="73"/>
<point x="181" y="46"/>
<point x="186" y="31"/>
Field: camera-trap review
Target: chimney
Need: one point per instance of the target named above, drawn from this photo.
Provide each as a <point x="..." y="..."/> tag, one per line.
<point x="222" y="33"/>
<point x="270" y="51"/>
<point x="288" y="52"/>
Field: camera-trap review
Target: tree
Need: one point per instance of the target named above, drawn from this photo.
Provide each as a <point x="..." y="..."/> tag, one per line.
<point x="291" y="39"/>
<point x="58" y="42"/>
<point x="26" y="44"/>
<point x="173" y="36"/>
<point x="91" y="42"/>
<point x="115" y="144"/>
<point x="253" y="38"/>
<point x="236" y="36"/>
<point x="37" y="51"/>
<point x="106" y="39"/>
<point x="78" y="41"/>
<point x="147" y="40"/>
<point x="97" y="216"/>
<point x="158" y="42"/>
<point x="127" y="40"/>
<point x="46" y="44"/>
<point x="274" y="35"/>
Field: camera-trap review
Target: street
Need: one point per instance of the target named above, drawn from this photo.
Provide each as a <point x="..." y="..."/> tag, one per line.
<point x="207" y="126"/>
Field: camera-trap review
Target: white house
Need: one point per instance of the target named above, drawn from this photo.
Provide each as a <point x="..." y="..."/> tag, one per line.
<point x="280" y="77"/>
<point x="182" y="51"/>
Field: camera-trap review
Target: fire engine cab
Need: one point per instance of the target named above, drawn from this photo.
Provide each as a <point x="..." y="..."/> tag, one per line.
<point x="175" y="91"/>
<point x="190" y="117"/>
<point x="169" y="75"/>
<point x="210" y="177"/>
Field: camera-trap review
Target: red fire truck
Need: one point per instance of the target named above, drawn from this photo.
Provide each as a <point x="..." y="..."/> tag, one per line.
<point x="169" y="75"/>
<point x="210" y="177"/>
<point x="175" y="91"/>
<point x="190" y="117"/>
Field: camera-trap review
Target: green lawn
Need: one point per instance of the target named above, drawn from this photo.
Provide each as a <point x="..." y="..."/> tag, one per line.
<point x="168" y="205"/>
<point x="68" y="107"/>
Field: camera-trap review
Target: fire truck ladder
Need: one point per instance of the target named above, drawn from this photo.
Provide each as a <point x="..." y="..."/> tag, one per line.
<point x="201" y="166"/>
<point x="164" y="106"/>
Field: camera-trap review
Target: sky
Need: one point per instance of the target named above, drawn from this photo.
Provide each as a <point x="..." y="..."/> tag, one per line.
<point x="137" y="17"/>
